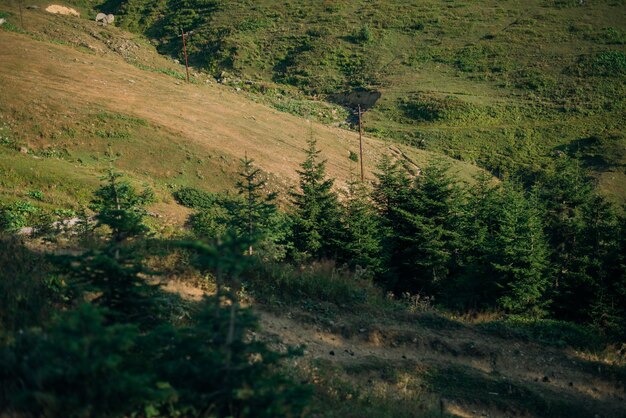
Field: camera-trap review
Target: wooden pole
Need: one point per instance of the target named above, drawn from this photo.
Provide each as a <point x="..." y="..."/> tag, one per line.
<point x="182" y="32"/>
<point x="361" y="144"/>
<point x="21" y="15"/>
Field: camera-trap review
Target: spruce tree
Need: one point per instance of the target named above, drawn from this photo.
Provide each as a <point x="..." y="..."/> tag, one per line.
<point x="315" y="225"/>
<point x="520" y="254"/>
<point x="391" y="192"/>
<point x="120" y="207"/>
<point x="424" y="237"/>
<point x="255" y="216"/>
<point x="360" y="239"/>
<point x="114" y="271"/>
<point x="474" y="287"/>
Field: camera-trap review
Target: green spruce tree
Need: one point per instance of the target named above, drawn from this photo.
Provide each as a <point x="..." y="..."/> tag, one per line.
<point x="316" y="221"/>
<point x="114" y="270"/>
<point x="519" y="254"/>
<point x="255" y="216"/>
<point x="424" y="236"/>
<point x="360" y="239"/>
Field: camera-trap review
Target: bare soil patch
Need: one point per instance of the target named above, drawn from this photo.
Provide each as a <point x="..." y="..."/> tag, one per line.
<point x="62" y="10"/>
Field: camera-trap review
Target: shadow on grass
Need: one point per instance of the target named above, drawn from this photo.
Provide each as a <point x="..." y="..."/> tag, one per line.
<point x="475" y="387"/>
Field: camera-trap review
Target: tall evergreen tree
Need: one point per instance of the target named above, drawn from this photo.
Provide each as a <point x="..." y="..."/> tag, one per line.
<point x="316" y="225"/>
<point x="391" y="192"/>
<point x="114" y="272"/>
<point x="423" y="222"/>
<point x="360" y="239"/>
<point x="255" y="216"/>
<point x="120" y="207"/>
<point x="520" y="254"/>
<point x="474" y="287"/>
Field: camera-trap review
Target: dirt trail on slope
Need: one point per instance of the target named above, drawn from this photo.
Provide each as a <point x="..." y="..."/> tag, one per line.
<point x="402" y="343"/>
<point x="543" y="369"/>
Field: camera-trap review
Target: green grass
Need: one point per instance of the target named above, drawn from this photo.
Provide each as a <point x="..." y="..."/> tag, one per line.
<point x="461" y="78"/>
<point x="474" y="386"/>
<point x="545" y="331"/>
<point x="81" y="148"/>
<point x="369" y="388"/>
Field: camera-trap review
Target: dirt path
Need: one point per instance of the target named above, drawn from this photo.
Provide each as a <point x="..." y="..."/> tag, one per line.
<point x="403" y="343"/>
<point x="531" y="365"/>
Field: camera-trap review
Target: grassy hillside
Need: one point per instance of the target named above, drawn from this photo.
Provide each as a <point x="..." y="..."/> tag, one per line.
<point x="502" y="84"/>
<point x="77" y="96"/>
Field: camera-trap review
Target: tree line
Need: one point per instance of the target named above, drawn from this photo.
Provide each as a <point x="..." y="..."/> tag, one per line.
<point x="550" y="249"/>
<point x="91" y="333"/>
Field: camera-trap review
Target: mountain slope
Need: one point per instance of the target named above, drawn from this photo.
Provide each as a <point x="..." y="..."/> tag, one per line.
<point x="505" y="84"/>
<point x="76" y="95"/>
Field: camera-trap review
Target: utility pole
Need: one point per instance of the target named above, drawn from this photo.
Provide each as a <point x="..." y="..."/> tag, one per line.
<point x="21" y="15"/>
<point x="184" y="35"/>
<point x="361" y="144"/>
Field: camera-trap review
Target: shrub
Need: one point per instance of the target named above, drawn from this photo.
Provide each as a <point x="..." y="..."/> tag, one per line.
<point x="17" y="215"/>
<point x="322" y="281"/>
<point x="427" y="108"/>
<point x="363" y="35"/>
<point x="24" y="292"/>
<point x="197" y="199"/>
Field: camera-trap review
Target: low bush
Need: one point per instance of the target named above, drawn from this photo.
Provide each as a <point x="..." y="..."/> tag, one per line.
<point x="198" y="199"/>
<point x="17" y="215"/>
<point x="26" y="290"/>
<point x="322" y="281"/>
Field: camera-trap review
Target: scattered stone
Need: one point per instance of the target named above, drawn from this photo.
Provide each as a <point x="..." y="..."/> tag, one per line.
<point x="32" y="7"/>
<point x="104" y="19"/>
<point x="24" y="150"/>
<point x="2" y="21"/>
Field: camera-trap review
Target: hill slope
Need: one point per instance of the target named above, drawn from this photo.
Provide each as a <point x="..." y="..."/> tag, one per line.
<point x="76" y="95"/>
<point x="503" y="84"/>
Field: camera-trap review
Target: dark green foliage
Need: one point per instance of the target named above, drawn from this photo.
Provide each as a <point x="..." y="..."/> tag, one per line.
<point x="475" y="287"/>
<point x="316" y="217"/>
<point x="117" y="356"/>
<point x="584" y="233"/>
<point x="360" y="240"/>
<point x="426" y="108"/>
<point x="116" y="276"/>
<point x="197" y="199"/>
<point x="80" y="366"/>
<point x="255" y="216"/>
<point x="119" y="207"/>
<point x="213" y="215"/>
<point x="76" y="367"/>
<point x="215" y="370"/>
<point x="520" y="254"/>
<point x="115" y="271"/>
<point x="363" y="35"/>
<point x="26" y="289"/>
<point x="422" y="224"/>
